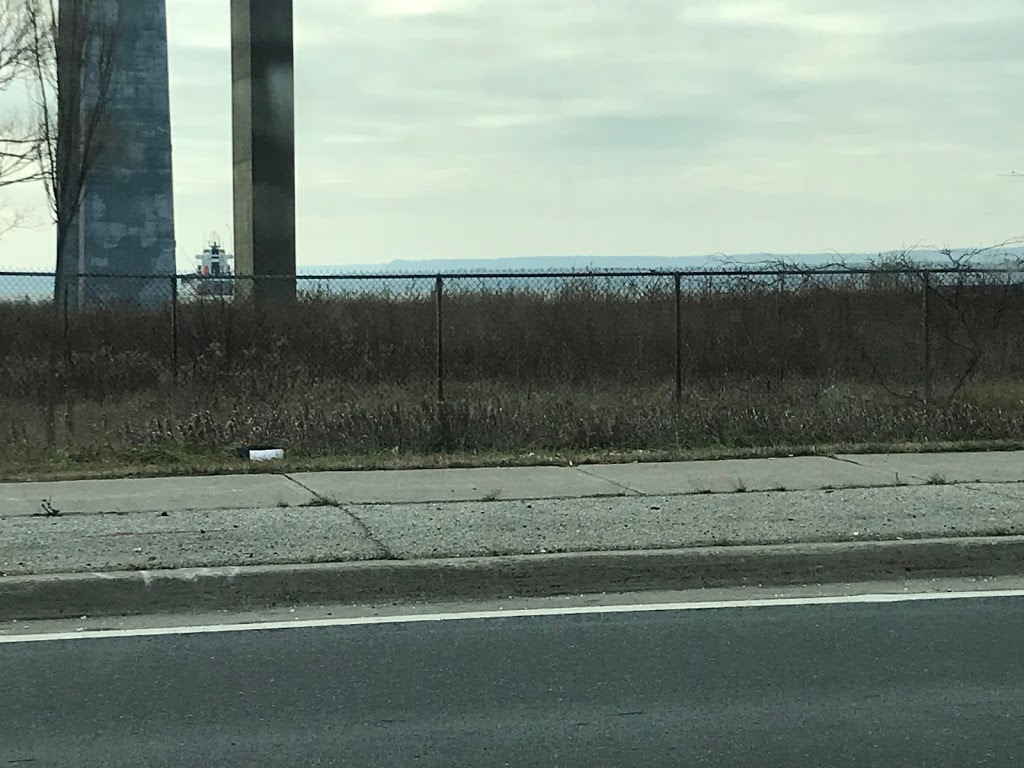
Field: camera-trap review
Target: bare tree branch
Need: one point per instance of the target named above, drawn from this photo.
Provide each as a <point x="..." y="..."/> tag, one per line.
<point x="15" y="39"/>
<point x="74" y="48"/>
<point x="14" y="219"/>
<point x="17" y="133"/>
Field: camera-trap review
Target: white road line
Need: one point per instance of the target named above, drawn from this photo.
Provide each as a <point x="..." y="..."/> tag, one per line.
<point x="359" y="621"/>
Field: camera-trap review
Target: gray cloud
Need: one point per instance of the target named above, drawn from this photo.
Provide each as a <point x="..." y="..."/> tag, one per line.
<point x="493" y="127"/>
<point x="626" y="73"/>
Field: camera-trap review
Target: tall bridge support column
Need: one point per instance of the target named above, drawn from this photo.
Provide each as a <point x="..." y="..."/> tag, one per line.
<point x="263" y="117"/>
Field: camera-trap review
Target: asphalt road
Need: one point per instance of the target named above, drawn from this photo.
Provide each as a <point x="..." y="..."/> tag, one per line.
<point x="928" y="684"/>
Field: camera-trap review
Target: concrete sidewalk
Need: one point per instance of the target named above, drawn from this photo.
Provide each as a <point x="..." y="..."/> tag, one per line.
<point x="155" y="526"/>
<point x="283" y="491"/>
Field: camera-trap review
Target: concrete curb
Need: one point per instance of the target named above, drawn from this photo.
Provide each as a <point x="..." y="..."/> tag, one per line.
<point x="253" y="587"/>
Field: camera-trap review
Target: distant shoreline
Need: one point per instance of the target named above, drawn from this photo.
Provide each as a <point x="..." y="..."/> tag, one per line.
<point x="668" y="263"/>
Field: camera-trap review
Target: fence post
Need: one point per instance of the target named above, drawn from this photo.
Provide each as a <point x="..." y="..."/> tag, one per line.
<point x="69" y="414"/>
<point x="679" y="337"/>
<point x="710" y="331"/>
<point x="174" y="328"/>
<point x="67" y="333"/>
<point x="780" y="345"/>
<point x="226" y="320"/>
<point x="926" y="336"/>
<point x="439" y="300"/>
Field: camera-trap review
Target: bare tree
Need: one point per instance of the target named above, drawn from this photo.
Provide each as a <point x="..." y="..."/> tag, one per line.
<point x="73" y="56"/>
<point x="72" y="64"/>
<point x="18" y="140"/>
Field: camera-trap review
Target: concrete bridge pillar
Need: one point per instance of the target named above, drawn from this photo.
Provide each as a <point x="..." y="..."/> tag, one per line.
<point x="263" y="118"/>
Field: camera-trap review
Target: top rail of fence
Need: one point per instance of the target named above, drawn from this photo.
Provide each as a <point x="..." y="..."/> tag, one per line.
<point x="551" y="273"/>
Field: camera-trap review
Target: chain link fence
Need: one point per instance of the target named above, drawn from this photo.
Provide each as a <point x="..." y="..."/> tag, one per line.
<point x="919" y="335"/>
<point x="917" y="330"/>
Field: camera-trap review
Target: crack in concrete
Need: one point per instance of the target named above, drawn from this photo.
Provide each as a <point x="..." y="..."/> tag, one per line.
<point x="626" y="488"/>
<point x="136" y="512"/>
<point x="899" y="482"/>
<point x="990" y="489"/>
<point x="384" y="552"/>
<point x="846" y="461"/>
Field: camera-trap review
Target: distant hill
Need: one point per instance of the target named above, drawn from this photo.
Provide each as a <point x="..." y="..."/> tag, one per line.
<point x="582" y="263"/>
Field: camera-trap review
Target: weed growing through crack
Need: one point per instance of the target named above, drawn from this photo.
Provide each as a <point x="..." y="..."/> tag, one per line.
<point x="324" y="500"/>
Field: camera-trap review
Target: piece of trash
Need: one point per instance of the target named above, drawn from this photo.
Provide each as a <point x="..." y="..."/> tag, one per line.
<point x="266" y="455"/>
<point x="261" y="453"/>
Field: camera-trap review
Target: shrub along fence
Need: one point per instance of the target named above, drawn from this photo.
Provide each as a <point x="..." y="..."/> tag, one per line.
<point x="915" y="334"/>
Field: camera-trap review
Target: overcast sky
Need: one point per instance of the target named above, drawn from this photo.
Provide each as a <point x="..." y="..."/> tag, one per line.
<point x="481" y="128"/>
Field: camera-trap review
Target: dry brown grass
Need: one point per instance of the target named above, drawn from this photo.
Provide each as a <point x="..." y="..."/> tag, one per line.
<point x="585" y="368"/>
